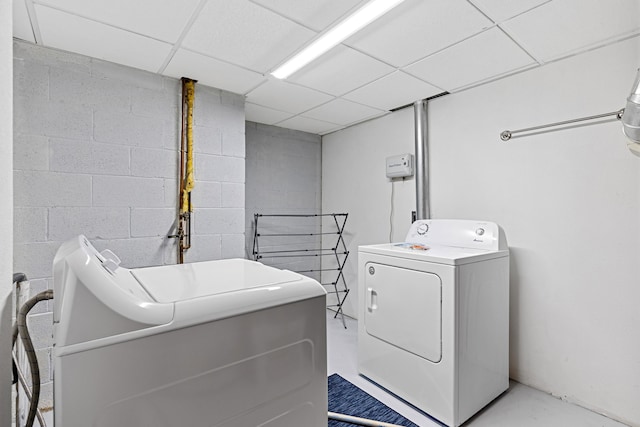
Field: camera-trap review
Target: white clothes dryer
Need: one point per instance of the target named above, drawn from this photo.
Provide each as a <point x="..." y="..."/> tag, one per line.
<point x="434" y="316"/>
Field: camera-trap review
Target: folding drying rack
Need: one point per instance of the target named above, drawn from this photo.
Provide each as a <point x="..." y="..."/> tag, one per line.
<point x="302" y="240"/>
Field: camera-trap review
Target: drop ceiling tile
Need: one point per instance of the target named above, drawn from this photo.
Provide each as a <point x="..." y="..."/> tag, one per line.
<point x="315" y="14"/>
<point x="21" y="23"/>
<point x="72" y="33"/>
<point x="500" y="10"/>
<point x="260" y="114"/>
<point x="163" y="19"/>
<point x="212" y="72"/>
<point x="341" y="70"/>
<point x="393" y="91"/>
<point x="245" y="34"/>
<point x="478" y="58"/>
<point x="287" y="97"/>
<point x="418" y="28"/>
<point x="308" y="125"/>
<point x="551" y="31"/>
<point x="343" y="112"/>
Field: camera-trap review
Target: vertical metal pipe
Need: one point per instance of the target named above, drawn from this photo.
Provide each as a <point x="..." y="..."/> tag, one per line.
<point x="183" y="168"/>
<point x="422" y="159"/>
<point x="185" y="177"/>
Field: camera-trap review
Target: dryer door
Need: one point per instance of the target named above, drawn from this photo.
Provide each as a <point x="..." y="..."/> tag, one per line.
<point x="403" y="308"/>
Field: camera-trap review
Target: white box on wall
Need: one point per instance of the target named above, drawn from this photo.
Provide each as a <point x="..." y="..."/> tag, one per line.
<point x="400" y="166"/>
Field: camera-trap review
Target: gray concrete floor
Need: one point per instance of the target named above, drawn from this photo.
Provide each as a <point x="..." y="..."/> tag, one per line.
<point x="520" y="406"/>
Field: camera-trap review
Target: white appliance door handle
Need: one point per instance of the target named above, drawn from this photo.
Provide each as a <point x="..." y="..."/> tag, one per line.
<point x="372" y="299"/>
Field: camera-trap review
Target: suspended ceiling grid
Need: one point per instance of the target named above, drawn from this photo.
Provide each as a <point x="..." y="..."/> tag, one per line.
<point x="420" y="49"/>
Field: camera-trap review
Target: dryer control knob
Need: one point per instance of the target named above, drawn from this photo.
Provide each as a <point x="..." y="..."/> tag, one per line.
<point x="480" y="231"/>
<point x="422" y="229"/>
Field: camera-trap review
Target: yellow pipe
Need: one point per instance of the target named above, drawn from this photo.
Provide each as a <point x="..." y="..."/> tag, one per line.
<point x="189" y="180"/>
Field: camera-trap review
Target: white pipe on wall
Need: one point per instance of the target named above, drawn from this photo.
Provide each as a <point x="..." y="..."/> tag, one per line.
<point x="422" y="159"/>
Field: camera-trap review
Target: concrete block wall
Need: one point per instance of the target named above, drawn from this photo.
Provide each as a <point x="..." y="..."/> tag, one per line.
<point x="283" y="177"/>
<point x="96" y="153"/>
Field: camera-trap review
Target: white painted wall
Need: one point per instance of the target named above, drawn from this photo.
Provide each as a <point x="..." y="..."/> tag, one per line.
<point x="354" y="181"/>
<point x="6" y="206"/>
<point x="569" y="202"/>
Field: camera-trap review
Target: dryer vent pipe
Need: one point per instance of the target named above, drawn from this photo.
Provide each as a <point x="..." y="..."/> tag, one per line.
<point x="422" y="159"/>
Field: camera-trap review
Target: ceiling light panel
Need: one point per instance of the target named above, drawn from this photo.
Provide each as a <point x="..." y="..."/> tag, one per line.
<point x="160" y="19"/>
<point x="211" y="72"/>
<point x="315" y="14"/>
<point x="72" y="33"/>
<point x="393" y="91"/>
<point x="481" y="57"/>
<point x="501" y="10"/>
<point x="287" y="97"/>
<point x="418" y="28"/>
<point x="341" y="70"/>
<point x="245" y="34"/>
<point x="549" y="32"/>
<point x="353" y="23"/>
<point x="21" y="23"/>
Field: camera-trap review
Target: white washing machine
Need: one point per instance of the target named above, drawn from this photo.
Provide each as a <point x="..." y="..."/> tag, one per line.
<point x="434" y="317"/>
<point x="229" y="343"/>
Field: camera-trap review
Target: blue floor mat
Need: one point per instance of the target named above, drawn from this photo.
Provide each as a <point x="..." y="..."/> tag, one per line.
<point x="346" y="398"/>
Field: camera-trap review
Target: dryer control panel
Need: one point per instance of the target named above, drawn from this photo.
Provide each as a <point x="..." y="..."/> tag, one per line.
<point x="459" y="233"/>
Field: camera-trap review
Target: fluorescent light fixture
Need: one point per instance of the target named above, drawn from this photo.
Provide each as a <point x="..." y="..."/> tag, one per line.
<point x="352" y="24"/>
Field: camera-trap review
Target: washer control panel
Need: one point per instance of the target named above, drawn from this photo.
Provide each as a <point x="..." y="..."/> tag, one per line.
<point x="456" y="232"/>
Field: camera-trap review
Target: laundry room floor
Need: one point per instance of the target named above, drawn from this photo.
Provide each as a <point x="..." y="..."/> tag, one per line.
<point x="520" y="406"/>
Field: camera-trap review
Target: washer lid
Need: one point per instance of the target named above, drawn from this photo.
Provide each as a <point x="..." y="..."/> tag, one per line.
<point x="439" y="254"/>
<point x="172" y="283"/>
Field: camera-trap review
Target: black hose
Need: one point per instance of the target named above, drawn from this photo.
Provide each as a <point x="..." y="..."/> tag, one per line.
<point x="14" y="367"/>
<point x="20" y="328"/>
<point x="17" y="278"/>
